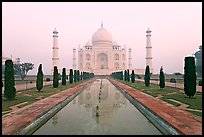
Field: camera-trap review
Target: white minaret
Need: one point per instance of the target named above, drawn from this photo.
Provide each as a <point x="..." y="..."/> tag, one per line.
<point x="149" y="50"/>
<point x="55" y="59"/>
<point x="74" y="58"/>
<point x="130" y="59"/>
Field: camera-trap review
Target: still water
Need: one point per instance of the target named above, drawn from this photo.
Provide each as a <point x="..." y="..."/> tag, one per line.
<point x="99" y="109"/>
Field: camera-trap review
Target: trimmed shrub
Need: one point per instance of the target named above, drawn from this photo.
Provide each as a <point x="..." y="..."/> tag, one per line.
<point x="64" y="76"/>
<point x="161" y="79"/>
<point x="55" y="78"/>
<point x="81" y="75"/>
<point x="189" y="77"/>
<point x="133" y="76"/>
<point x="200" y="82"/>
<point x="71" y="76"/>
<point x="173" y="80"/>
<point x="10" y="90"/>
<point x="47" y="79"/>
<point x="147" y="76"/>
<point x="39" y="80"/>
<point x="78" y="75"/>
<point x="128" y="75"/>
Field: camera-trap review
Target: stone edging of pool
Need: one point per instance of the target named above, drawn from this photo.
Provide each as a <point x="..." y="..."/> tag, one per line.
<point x="39" y="119"/>
<point x="191" y="125"/>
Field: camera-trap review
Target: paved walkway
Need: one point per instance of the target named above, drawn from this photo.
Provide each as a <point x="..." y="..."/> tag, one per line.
<point x="19" y="119"/>
<point x="185" y="122"/>
<point x="177" y="85"/>
<point x="25" y="86"/>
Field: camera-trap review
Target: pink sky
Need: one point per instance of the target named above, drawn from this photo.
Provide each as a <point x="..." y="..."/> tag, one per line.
<point x="176" y="30"/>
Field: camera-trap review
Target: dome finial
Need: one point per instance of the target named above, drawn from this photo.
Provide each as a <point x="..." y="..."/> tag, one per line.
<point x="101" y="24"/>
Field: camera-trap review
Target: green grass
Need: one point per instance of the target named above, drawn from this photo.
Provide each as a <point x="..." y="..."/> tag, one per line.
<point x="45" y="92"/>
<point x="154" y="90"/>
<point x="195" y="113"/>
<point x="170" y="102"/>
<point x="194" y="102"/>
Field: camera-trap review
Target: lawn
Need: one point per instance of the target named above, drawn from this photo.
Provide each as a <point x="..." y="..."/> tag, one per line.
<point x="194" y="102"/>
<point x="33" y="95"/>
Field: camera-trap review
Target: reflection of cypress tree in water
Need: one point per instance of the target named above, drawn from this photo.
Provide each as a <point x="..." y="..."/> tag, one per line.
<point x="97" y="108"/>
<point x="54" y="118"/>
<point x="97" y="119"/>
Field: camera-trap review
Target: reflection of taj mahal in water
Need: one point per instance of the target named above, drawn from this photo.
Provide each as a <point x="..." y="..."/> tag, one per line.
<point x="108" y="101"/>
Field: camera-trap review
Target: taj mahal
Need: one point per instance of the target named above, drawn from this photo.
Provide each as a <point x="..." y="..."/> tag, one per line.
<point x="103" y="55"/>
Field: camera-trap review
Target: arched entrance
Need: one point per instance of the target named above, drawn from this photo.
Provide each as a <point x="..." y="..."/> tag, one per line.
<point x="102" y="61"/>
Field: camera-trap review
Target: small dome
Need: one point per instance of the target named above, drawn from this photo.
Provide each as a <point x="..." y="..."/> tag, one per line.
<point x="88" y="43"/>
<point x="115" y="43"/>
<point x="102" y="35"/>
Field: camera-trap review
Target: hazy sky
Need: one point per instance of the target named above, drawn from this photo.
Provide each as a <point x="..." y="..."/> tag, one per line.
<point x="176" y="30"/>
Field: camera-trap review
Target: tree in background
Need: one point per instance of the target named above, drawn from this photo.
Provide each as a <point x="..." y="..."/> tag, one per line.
<point x="198" y="56"/>
<point x="161" y="79"/>
<point x="147" y="76"/>
<point x="64" y="76"/>
<point x="55" y="77"/>
<point x="10" y="90"/>
<point x="71" y="76"/>
<point x="133" y="76"/>
<point x="39" y="80"/>
<point x="22" y="69"/>
<point x="189" y="76"/>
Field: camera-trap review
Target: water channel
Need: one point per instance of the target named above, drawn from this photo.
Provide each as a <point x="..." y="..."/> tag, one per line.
<point x="99" y="109"/>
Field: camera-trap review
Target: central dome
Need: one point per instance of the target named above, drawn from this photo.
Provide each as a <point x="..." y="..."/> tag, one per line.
<point x="102" y="35"/>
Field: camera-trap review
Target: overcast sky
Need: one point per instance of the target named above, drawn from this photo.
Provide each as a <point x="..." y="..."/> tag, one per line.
<point x="176" y="30"/>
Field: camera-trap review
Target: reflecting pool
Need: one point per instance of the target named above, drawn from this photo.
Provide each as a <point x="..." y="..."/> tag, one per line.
<point x="99" y="109"/>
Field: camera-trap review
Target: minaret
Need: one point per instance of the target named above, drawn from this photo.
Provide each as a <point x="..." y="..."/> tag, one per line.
<point x="55" y="59"/>
<point x="149" y="50"/>
<point x="74" y="58"/>
<point x="130" y="59"/>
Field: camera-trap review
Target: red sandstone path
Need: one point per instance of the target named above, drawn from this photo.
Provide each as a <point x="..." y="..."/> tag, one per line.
<point x="21" y="118"/>
<point x="185" y="122"/>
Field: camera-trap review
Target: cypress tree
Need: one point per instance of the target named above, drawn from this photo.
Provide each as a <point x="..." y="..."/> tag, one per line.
<point x="39" y="80"/>
<point x="75" y="76"/>
<point x="161" y="79"/>
<point x="64" y="76"/>
<point x="10" y="90"/>
<point x="128" y="75"/>
<point x="81" y="75"/>
<point x="71" y="76"/>
<point x="55" y="78"/>
<point x="189" y="76"/>
<point x="133" y="76"/>
<point x="147" y="76"/>
<point x="78" y="75"/>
